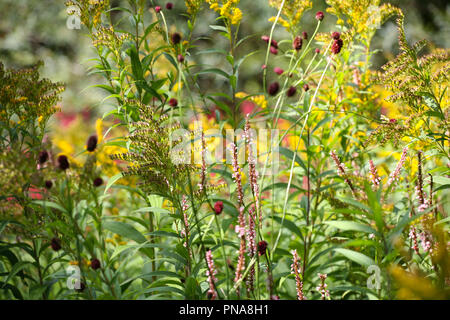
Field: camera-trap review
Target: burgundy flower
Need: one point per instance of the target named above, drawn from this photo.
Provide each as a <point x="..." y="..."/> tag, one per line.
<point x="297" y="43"/>
<point x="98" y="182"/>
<point x="337" y="46"/>
<point x="180" y="58"/>
<point x="95" y="264"/>
<point x="335" y="35"/>
<point x="320" y="15"/>
<point x="63" y="162"/>
<point x="262" y="247"/>
<point x="317" y="50"/>
<point x="158" y="9"/>
<point x="278" y="70"/>
<point x="173" y="102"/>
<point x="92" y="143"/>
<point x="305" y="35"/>
<point x="273" y="88"/>
<point x="274" y="44"/>
<point x="291" y="91"/>
<point x="392" y="120"/>
<point x="306" y="87"/>
<point x="176" y="38"/>
<point x="273" y="50"/>
<point x="48" y="184"/>
<point x="43" y="156"/>
<point x="169" y="6"/>
<point x="55" y="244"/>
<point x="218" y="207"/>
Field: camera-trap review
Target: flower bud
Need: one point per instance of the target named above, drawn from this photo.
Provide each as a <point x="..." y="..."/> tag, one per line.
<point x="48" y="184"/>
<point x="43" y="156"/>
<point x="176" y="38"/>
<point x="95" y="264"/>
<point x="92" y="143"/>
<point x="305" y="35"/>
<point x="218" y="207"/>
<point x="158" y="9"/>
<point x="273" y="88"/>
<point x="262" y="247"/>
<point x="306" y="87"/>
<point x="55" y="244"/>
<point x="291" y="91"/>
<point x="173" y="102"/>
<point x="169" y="5"/>
<point x="63" y="162"/>
<point x="278" y="70"/>
<point x="297" y="43"/>
<point x="320" y="16"/>
<point x="97" y="182"/>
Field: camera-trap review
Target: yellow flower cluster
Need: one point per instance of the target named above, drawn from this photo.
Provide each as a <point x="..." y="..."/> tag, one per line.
<point x="362" y="16"/>
<point x="227" y="9"/>
<point x="258" y="100"/>
<point x="192" y="6"/>
<point x="292" y="12"/>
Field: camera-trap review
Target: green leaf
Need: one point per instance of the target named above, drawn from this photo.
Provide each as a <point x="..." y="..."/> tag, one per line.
<point x="111" y="181"/>
<point x="125" y="230"/>
<point x="357" y="257"/>
<point x="351" y="226"/>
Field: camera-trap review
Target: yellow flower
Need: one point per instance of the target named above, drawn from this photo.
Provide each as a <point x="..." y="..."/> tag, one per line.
<point x="237" y="16"/>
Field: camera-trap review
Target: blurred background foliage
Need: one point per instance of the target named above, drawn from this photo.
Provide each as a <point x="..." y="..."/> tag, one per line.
<point x="33" y="30"/>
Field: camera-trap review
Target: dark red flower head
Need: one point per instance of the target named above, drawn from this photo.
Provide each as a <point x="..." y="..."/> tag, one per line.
<point x="169" y="5"/>
<point x="305" y="35"/>
<point x="392" y="120"/>
<point x="180" y="58"/>
<point x="63" y="162"/>
<point x="43" y="156"/>
<point x="274" y="44"/>
<point x="273" y="50"/>
<point x="305" y="87"/>
<point x="48" y="184"/>
<point x="317" y="50"/>
<point x="95" y="264"/>
<point x="291" y="91"/>
<point x="173" y="102"/>
<point x="218" y="207"/>
<point x="176" y="38"/>
<point x="273" y="88"/>
<point x="55" y="244"/>
<point x="158" y="9"/>
<point x="262" y="247"/>
<point x="337" y="46"/>
<point x="98" y="182"/>
<point x="92" y="143"/>
<point x="335" y="35"/>
<point x="297" y="43"/>
<point x="320" y="15"/>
